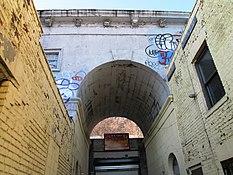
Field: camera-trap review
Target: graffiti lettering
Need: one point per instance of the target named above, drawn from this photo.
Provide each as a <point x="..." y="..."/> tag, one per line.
<point x="165" y="57"/>
<point x="166" y="41"/>
<point x="152" y="64"/>
<point x="64" y="83"/>
<point x="63" y="95"/>
<point x="151" y="51"/>
<point x="67" y="89"/>
<point x="79" y="76"/>
<point x="68" y="84"/>
<point x="160" y="51"/>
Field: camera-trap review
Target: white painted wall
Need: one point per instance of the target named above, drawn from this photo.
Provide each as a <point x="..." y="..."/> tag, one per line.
<point x="163" y="140"/>
<point x="90" y="45"/>
<point x="84" y="48"/>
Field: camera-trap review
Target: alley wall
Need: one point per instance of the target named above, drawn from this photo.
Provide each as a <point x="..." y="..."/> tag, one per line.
<point x="162" y="142"/>
<point x="206" y="132"/>
<point x="198" y="135"/>
<point x="37" y="135"/>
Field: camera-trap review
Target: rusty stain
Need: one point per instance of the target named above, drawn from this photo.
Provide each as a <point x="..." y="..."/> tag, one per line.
<point x="8" y="49"/>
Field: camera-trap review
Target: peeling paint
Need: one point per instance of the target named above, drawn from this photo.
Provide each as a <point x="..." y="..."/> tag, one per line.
<point x="8" y="49"/>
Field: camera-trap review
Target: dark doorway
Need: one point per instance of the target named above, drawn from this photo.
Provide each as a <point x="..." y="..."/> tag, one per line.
<point x="122" y="162"/>
<point x="227" y="166"/>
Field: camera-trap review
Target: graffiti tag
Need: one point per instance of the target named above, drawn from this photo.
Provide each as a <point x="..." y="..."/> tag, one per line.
<point x="67" y="88"/>
<point x="166" y="42"/>
<point x="151" y="51"/>
<point x="152" y="64"/>
<point x="165" y="57"/>
<point x="79" y="76"/>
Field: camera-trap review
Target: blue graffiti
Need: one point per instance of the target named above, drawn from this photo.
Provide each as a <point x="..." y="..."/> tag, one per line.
<point x="160" y="51"/>
<point x="162" y="47"/>
<point x="165" y="57"/>
<point x="67" y="88"/>
<point x="153" y="64"/>
<point x="65" y="97"/>
<point x="64" y="83"/>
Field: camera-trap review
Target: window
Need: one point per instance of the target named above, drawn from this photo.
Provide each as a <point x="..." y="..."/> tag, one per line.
<point x="210" y="80"/>
<point x="77" y="169"/>
<point x="54" y="59"/>
<point x="173" y="165"/>
<point x="176" y="169"/>
<point x="195" y="170"/>
<point x="227" y="166"/>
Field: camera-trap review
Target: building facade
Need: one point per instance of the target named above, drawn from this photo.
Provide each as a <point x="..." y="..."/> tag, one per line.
<point x="77" y="41"/>
<point x="202" y="89"/>
<point x="184" y="111"/>
<point x="36" y="133"/>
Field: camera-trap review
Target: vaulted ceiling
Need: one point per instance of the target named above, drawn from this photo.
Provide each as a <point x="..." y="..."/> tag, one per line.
<point x="123" y="88"/>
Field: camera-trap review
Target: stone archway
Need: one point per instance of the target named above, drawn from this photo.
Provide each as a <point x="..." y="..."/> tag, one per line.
<point x="122" y="88"/>
<point x="116" y="125"/>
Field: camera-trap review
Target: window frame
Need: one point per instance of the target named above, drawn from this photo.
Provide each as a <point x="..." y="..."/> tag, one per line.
<point x="173" y="164"/>
<point x="208" y="95"/>
<point x="227" y="166"/>
<point x="57" y="52"/>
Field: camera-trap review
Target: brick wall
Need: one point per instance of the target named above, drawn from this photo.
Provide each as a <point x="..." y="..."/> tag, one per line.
<point x="36" y="133"/>
<point x="206" y="134"/>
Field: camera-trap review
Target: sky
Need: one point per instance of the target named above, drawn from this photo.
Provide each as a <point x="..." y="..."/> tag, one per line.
<point x="166" y="5"/>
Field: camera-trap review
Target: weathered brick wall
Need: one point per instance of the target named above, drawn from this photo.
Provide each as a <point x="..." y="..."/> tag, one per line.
<point x="36" y="134"/>
<point x="206" y="135"/>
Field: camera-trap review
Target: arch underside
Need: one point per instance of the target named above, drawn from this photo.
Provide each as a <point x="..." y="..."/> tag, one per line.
<point x="125" y="89"/>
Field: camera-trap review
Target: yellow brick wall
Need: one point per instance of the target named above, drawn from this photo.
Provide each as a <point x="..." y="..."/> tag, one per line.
<point x="36" y="134"/>
<point x="81" y="143"/>
<point x="206" y="134"/>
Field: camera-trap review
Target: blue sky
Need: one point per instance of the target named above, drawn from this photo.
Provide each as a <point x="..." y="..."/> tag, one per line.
<point x="170" y="5"/>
